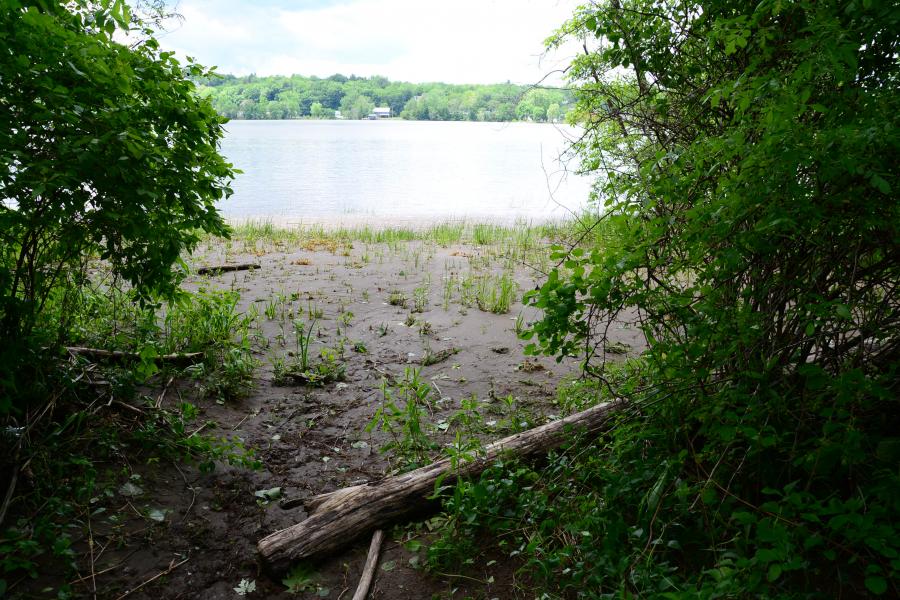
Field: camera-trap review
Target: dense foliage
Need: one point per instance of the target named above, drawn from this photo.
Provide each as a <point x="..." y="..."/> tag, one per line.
<point x="110" y="171"/>
<point x="747" y="155"/>
<point x="107" y="152"/>
<point x="295" y="97"/>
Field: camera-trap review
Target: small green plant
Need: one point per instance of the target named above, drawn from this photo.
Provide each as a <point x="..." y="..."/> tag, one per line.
<point x="401" y="415"/>
<point x="314" y="311"/>
<point x="397" y="298"/>
<point x="302" y="336"/>
<point x="271" y="309"/>
<point x="519" y="326"/>
<point x="496" y="293"/>
<point x="329" y="368"/>
<point x="450" y="283"/>
<point x="425" y="328"/>
<point x="420" y="298"/>
<point x="301" y="578"/>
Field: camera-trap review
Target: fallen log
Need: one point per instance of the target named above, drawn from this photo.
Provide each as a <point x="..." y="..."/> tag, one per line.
<point x="337" y="518"/>
<point x="119" y="355"/>
<point x="226" y="268"/>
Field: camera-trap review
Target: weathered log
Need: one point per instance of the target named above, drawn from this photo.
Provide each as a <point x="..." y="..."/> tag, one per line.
<point x="226" y="268"/>
<point x="98" y="353"/>
<point x="339" y="517"/>
<point x="368" y="574"/>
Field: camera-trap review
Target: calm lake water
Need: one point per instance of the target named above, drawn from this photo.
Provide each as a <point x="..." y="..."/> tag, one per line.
<point x="383" y="170"/>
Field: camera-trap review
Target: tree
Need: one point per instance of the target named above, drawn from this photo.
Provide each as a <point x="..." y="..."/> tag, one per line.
<point x="320" y="112"/>
<point x="356" y="106"/>
<point x="107" y="151"/>
<point x="553" y="112"/>
<point x="431" y="101"/>
<point x="747" y="161"/>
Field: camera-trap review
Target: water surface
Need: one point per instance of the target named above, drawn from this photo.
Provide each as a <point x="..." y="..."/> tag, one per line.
<point x="296" y="171"/>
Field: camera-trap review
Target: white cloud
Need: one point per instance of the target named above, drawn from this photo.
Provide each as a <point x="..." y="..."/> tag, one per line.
<point x="465" y="41"/>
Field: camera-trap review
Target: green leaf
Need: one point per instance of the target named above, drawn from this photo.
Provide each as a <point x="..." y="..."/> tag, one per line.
<point x="389" y="565"/>
<point x="130" y="490"/>
<point x="880" y="184"/>
<point x="876" y="585"/>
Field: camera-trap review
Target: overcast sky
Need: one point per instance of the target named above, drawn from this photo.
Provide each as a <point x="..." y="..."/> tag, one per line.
<point x="458" y="41"/>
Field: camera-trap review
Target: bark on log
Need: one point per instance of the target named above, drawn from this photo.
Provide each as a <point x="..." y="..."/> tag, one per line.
<point x="337" y="518"/>
<point x="97" y="353"/>
<point x="226" y="268"/>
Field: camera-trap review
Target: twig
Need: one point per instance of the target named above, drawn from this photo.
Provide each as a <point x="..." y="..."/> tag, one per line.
<point x="201" y="428"/>
<point x="191" y="505"/>
<point x="94" y="575"/>
<point x="154" y="578"/>
<point x="128" y="406"/>
<point x="368" y="574"/>
<point x="481" y="581"/>
<point x="241" y="422"/>
<point x="188" y="486"/>
<point x="11" y="488"/>
<point x="164" y="390"/>
<point x="91" y="548"/>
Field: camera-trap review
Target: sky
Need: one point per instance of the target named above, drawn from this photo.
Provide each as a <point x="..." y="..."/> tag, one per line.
<point x="458" y="41"/>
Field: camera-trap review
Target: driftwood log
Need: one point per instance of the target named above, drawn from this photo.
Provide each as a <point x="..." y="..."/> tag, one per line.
<point x="119" y="355"/>
<point x="337" y="518"/>
<point x="226" y="268"/>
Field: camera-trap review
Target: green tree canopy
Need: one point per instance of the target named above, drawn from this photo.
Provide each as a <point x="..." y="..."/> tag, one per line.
<point x="746" y="155"/>
<point x="278" y="97"/>
<point x="107" y="150"/>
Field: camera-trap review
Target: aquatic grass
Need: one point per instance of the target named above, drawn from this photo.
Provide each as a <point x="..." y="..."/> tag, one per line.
<point x="447" y="233"/>
<point x="496" y="293"/>
<point x="521" y="241"/>
<point x="484" y="234"/>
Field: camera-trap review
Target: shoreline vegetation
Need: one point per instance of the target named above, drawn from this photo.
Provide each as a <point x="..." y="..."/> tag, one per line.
<point x="347" y="353"/>
<point x="339" y="97"/>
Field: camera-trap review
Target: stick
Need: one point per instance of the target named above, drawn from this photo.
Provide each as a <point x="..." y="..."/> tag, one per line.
<point x="368" y="574"/>
<point x="226" y="268"/>
<point x="11" y="488"/>
<point x="189" y="357"/>
<point x="155" y="577"/>
<point x="164" y="390"/>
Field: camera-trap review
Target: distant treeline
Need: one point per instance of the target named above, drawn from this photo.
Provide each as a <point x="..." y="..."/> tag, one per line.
<point x="295" y="97"/>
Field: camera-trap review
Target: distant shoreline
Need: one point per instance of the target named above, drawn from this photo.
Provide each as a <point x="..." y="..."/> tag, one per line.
<point x="401" y="120"/>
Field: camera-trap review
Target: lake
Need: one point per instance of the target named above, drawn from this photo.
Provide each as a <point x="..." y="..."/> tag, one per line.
<point x="390" y="170"/>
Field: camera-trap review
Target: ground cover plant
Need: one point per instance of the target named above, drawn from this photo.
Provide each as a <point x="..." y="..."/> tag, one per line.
<point x="746" y="153"/>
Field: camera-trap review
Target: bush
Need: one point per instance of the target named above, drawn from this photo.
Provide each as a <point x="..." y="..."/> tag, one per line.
<point x="745" y="153"/>
<point x="108" y="153"/>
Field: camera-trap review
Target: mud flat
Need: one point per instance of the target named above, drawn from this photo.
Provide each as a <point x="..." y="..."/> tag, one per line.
<point x="372" y="310"/>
